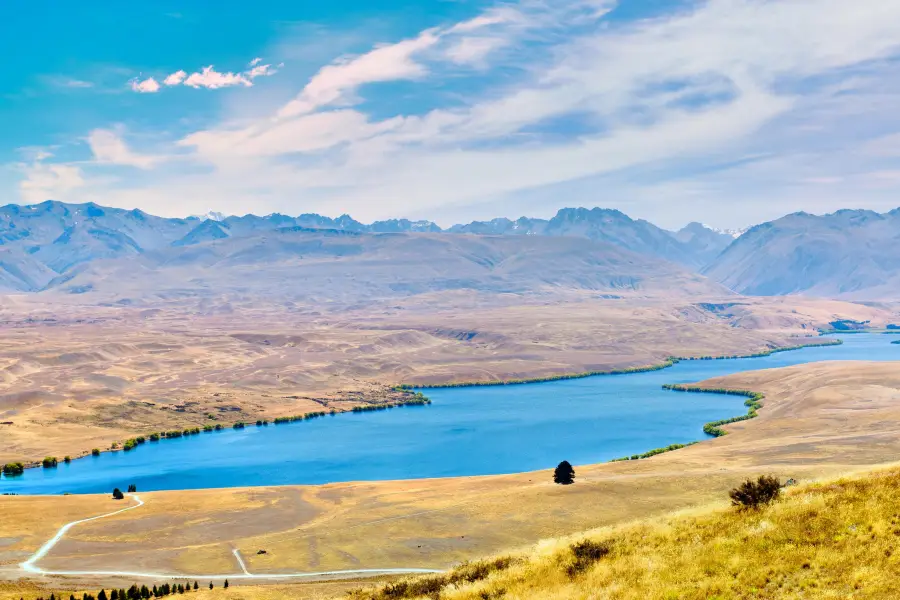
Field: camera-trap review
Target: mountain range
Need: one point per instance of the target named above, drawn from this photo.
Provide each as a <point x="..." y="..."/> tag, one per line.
<point x="84" y="247"/>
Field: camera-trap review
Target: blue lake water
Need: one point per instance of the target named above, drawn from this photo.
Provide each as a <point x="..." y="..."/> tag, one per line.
<point x="466" y="431"/>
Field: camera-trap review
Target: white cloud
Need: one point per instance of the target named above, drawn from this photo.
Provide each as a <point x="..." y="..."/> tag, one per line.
<point x="211" y="79"/>
<point x="108" y="147"/>
<point x="43" y="181"/>
<point x="147" y="86"/>
<point x="175" y="78"/>
<point x="333" y="83"/>
<point x="208" y="78"/>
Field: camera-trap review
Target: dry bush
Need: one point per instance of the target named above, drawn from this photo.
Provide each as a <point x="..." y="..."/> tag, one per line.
<point x="754" y="494"/>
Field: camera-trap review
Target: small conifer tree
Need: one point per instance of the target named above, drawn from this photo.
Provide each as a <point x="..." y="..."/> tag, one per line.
<point x="564" y="474"/>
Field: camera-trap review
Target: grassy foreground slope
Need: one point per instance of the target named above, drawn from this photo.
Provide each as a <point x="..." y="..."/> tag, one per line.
<point x="838" y="539"/>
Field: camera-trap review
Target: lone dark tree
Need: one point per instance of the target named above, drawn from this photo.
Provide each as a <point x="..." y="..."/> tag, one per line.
<point x="210" y="585"/>
<point x="226" y="584"/>
<point x="118" y="495"/>
<point x="564" y="473"/>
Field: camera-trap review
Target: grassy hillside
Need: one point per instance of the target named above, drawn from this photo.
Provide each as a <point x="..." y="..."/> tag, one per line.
<point x="839" y="539"/>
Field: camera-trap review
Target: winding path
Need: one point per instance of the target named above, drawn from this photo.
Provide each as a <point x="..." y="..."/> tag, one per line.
<point x="30" y="565"/>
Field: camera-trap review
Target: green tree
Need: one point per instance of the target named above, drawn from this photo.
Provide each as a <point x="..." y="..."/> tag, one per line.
<point x="15" y="468"/>
<point x="95" y="452"/>
<point x="564" y="474"/>
<point x="226" y="584"/>
<point x="210" y="585"/>
<point x="101" y="595"/>
<point x="118" y="495"/>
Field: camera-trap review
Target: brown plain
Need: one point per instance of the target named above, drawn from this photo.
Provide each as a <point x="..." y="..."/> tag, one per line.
<point x="76" y="376"/>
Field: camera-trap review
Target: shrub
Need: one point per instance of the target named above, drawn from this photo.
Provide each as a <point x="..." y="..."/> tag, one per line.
<point x="15" y="468"/>
<point x="118" y="495"/>
<point x="49" y="462"/>
<point x="754" y="494"/>
<point x="564" y="474"/>
<point x="67" y="460"/>
<point x="584" y="554"/>
<point x="95" y="452"/>
<point x="154" y="437"/>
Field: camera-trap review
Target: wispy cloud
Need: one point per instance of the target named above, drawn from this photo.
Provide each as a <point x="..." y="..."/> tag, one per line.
<point x="558" y="96"/>
<point x="42" y="181"/>
<point x="108" y="147"/>
<point x="335" y="83"/>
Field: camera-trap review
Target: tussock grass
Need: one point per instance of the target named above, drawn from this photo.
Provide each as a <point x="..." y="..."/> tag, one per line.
<point x="838" y="539"/>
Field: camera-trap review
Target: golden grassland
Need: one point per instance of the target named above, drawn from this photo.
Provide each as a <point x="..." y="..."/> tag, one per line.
<point x="835" y="539"/>
<point x="818" y="419"/>
<point x="75" y="377"/>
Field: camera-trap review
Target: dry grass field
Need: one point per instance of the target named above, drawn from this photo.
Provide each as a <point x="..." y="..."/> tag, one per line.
<point x="834" y="539"/>
<point x="79" y="376"/>
<point x="819" y="420"/>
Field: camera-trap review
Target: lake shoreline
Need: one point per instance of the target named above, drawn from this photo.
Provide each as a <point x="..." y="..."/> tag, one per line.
<point x="670" y="362"/>
<point x="710" y="428"/>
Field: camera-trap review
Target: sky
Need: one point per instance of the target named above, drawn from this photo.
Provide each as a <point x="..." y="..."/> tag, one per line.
<point x="729" y="112"/>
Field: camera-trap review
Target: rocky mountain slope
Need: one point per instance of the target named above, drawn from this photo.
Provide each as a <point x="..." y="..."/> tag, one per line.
<point x="703" y="242"/>
<point x="850" y="253"/>
<point x="608" y="225"/>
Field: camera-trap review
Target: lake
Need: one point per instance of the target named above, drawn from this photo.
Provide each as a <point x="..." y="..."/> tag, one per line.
<point x="465" y="431"/>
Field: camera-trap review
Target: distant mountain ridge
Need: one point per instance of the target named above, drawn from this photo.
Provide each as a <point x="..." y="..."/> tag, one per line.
<point x="850" y="253"/>
<point x="45" y="241"/>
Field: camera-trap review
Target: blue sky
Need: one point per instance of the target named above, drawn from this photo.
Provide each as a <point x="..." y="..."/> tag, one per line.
<point x="729" y="112"/>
